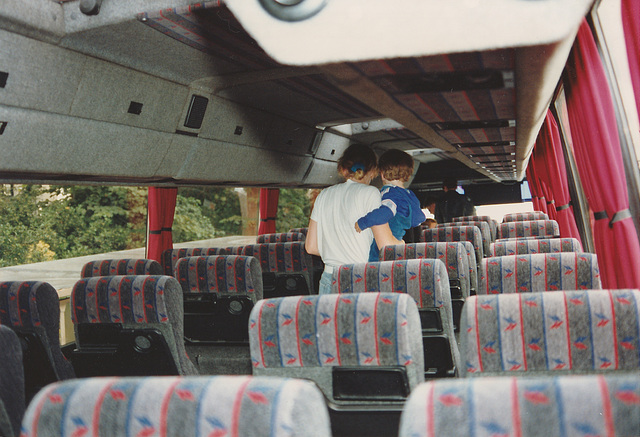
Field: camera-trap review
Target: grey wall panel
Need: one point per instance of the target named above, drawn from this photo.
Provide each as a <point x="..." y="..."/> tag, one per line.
<point x="40" y="142"/>
<point x="223" y="120"/>
<point x="216" y="161"/>
<point x="331" y="146"/>
<point x="291" y="137"/>
<point x="41" y="76"/>
<point x="48" y="78"/>
<point x="323" y="173"/>
<point x="106" y="90"/>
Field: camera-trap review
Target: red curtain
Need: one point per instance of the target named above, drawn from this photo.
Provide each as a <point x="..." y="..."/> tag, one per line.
<point x="538" y="200"/>
<point x="599" y="159"/>
<point x="268" y="210"/>
<point x="631" y="26"/>
<point x="543" y="180"/>
<point x="549" y="150"/>
<point x="161" y="205"/>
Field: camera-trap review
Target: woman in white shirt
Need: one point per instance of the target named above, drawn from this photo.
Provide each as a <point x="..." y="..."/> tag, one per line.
<point x="331" y="231"/>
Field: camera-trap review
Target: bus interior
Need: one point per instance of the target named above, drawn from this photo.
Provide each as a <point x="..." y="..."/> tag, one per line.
<point x="269" y="93"/>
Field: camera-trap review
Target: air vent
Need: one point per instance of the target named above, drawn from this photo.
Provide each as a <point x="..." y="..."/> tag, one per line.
<point x="3" y="78"/>
<point x="135" y="108"/>
<point x="489" y="144"/>
<point x="473" y="124"/>
<point x="195" y="113"/>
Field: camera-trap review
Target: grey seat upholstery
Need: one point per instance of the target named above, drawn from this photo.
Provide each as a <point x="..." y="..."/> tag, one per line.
<point x="128" y="326"/>
<point x="471" y="234"/>
<point x="363" y="350"/>
<point x="219" y="293"/>
<point x="493" y="224"/>
<point x="524" y="216"/>
<point x="427" y="282"/>
<point x="587" y="331"/>
<point x="193" y="406"/>
<point x="287" y="268"/>
<point x="540" y="272"/>
<point x="453" y="255"/>
<point x="485" y="232"/>
<point x="280" y="237"/>
<point x="125" y="266"/>
<point x="525" y="406"/>
<point x="529" y="228"/>
<point x="170" y="257"/>
<point x="538" y="245"/>
<point x="474" y="275"/>
<point x="12" y="393"/>
<point x="32" y="310"/>
<point x="310" y="336"/>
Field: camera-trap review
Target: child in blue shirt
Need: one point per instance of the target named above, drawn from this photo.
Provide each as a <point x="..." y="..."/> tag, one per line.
<point x="400" y="206"/>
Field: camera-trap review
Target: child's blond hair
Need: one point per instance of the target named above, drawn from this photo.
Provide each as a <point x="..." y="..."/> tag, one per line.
<point x="396" y="165"/>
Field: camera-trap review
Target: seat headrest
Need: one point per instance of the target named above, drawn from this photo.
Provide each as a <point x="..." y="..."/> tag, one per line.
<point x="365" y="329"/>
<point x="242" y="406"/>
<point x="540" y="272"/>
<point x="128" y="266"/>
<point x="221" y="274"/>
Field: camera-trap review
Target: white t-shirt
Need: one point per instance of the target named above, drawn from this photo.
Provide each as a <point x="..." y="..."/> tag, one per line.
<point x="336" y="211"/>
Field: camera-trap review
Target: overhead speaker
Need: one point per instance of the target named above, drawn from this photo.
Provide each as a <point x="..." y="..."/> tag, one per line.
<point x="195" y="113"/>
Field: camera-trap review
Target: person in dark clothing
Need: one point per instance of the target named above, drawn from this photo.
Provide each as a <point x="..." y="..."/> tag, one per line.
<point x="453" y="204"/>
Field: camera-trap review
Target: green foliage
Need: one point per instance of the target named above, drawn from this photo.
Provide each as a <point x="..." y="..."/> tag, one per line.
<point x="84" y="220"/>
<point x="293" y="209"/>
<point x="220" y="205"/>
<point x="189" y="223"/>
<point x="39" y="223"/>
<point x="19" y="210"/>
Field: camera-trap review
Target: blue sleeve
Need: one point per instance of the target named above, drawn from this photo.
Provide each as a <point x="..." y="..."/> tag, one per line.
<point x="417" y="216"/>
<point x="378" y="216"/>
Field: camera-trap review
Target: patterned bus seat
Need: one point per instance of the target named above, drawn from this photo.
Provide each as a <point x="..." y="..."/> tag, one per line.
<point x="575" y="405"/>
<point x="529" y="228"/>
<point x="112" y="267"/>
<point x="493" y="224"/>
<point x="427" y="282"/>
<point x="287" y="268"/>
<point x="485" y="231"/>
<point x="474" y="275"/>
<point x="219" y="293"/>
<point x="12" y="394"/>
<point x="170" y="257"/>
<point x="524" y="216"/>
<point x="280" y="237"/>
<point x="540" y="272"/>
<point x="582" y="331"/>
<point x="129" y="326"/>
<point x="540" y="245"/>
<point x="310" y="336"/>
<point x="364" y="351"/>
<point x="296" y="234"/>
<point x="456" y="233"/>
<point x="301" y="230"/>
<point x="192" y="406"/>
<point x="32" y="310"/>
<point x="453" y="255"/>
